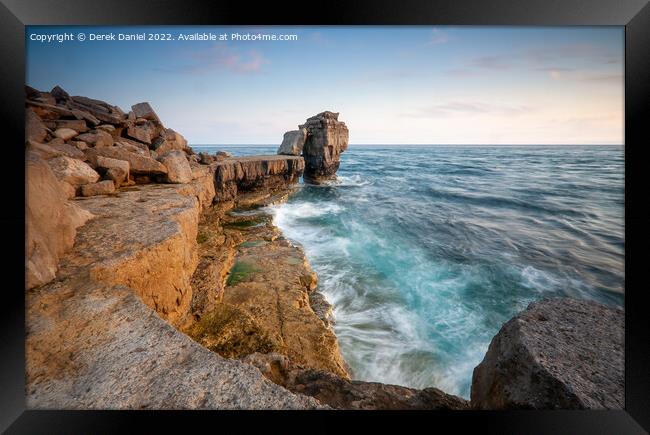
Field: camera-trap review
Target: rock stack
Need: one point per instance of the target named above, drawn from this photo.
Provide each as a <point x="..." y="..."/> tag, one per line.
<point x="94" y="147"/>
<point x="321" y="140"/>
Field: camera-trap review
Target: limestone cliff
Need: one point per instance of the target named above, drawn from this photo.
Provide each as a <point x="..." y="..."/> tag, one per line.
<point x="93" y="339"/>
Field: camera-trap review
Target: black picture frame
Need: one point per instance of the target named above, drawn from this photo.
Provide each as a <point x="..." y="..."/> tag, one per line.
<point x="633" y="14"/>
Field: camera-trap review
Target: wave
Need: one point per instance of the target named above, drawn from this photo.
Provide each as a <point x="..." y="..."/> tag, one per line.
<point x="423" y="267"/>
<point x="492" y="201"/>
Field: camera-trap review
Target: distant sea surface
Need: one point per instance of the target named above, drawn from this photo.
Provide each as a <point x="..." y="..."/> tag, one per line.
<point x="425" y="251"/>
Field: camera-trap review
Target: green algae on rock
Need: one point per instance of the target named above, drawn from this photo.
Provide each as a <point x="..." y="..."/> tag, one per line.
<point x="241" y="272"/>
<point x="232" y="333"/>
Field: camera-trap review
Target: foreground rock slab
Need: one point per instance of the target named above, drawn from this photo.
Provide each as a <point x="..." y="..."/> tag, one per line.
<point x="557" y="354"/>
<point x="97" y="336"/>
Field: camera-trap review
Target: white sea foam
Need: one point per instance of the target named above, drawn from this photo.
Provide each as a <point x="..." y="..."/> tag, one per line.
<point x="287" y="213"/>
<point x="420" y="284"/>
<point x="353" y="181"/>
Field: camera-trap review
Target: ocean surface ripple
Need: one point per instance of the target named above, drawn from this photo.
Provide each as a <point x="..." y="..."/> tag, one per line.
<point x="425" y="251"/>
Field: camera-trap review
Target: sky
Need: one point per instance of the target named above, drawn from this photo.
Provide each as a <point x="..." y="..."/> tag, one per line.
<point x="391" y="85"/>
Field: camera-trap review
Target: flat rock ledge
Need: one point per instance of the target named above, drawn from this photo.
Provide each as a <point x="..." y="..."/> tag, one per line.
<point x="101" y="335"/>
<point x="237" y="175"/>
<point x="557" y="354"/>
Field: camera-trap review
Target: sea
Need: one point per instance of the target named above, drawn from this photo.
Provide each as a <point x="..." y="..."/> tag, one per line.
<point x="426" y="251"/>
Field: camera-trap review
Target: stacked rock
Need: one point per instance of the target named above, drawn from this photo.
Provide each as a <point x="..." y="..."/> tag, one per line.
<point x="320" y="140"/>
<point x="95" y="147"/>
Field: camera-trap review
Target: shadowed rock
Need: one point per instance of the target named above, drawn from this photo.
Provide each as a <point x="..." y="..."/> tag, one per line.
<point x="557" y="354"/>
<point x="260" y="173"/>
<point x="34" y="128"/>
<point x="341" y="393"/>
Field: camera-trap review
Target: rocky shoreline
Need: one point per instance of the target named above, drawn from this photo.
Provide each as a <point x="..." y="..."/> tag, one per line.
<point x="155" y="279"/>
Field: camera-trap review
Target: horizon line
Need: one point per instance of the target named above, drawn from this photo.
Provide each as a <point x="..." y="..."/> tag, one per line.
<point x="214" y="145"/>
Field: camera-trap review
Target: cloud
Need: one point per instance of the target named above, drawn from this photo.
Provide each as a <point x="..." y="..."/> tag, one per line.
<point x="572" y="74"/>
<point x="468" y="108"/>
<point x="221" y="57"/>
<point x="438" y="37"/>
<point x="548" y="59"/>
<point x="491" y="62"/>
<point x="589" y="52"/>
<point x="614" y="78"/>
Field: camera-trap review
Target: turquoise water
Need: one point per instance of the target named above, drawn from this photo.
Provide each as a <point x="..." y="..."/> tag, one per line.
<point x="425" y="252"/>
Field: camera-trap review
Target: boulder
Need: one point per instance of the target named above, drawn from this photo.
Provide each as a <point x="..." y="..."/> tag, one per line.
<point x="144" y="110"/>
<point x="160" y="145"/>
<point x="35" y="130"/>
<point x="85" y="116"/>
<point x="97" y="138"/>
<point x="140" y="132"/>
<point x="31" y="93"/>
<point x="100" y="110"/>
<point x="110" y="129"/>
<point x="206" y="158"/>
<point x="138" y="163"/>
<point x="51" y="221"/>
<point x="110" y="163"/>
<point x="118" y="175"/>
<point x="557" y="354"/>
<point x="133" y="146"/>
<point x="73" y="171"/>
<point x="79" y="144"/>
<point x="178" y="168"/>
<point x="101" y="188"/>
<point x="67" y="150"/>
<point x="327" y="138"/>
<point x="176" y="138"/>
<point x="116" y="170"/>
<point x="293" y="142"/>
<point x="44" y="151"/>
<point x="51" y="111"/>
<point x="59" y="94"/>
<point x="45" y="97"/>
<point x="79" y="125"/>
<point x="65" y="133"/>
